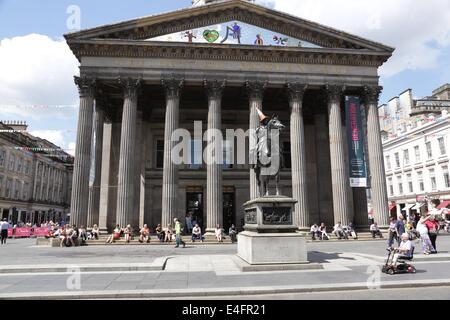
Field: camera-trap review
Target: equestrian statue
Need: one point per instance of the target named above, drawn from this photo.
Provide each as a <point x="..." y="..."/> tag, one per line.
<point x="266" y="154"/>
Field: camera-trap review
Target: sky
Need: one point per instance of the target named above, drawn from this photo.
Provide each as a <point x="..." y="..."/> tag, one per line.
<point x="37" y="67"/>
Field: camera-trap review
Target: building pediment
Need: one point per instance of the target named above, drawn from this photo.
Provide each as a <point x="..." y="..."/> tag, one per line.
<point x="222" y="12"/>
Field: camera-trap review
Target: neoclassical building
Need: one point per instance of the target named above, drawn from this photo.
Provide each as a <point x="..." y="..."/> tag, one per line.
<point x="142" y="79"/>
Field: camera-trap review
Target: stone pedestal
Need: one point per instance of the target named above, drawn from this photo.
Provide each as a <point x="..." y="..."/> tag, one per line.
<point x="270" y="236"/>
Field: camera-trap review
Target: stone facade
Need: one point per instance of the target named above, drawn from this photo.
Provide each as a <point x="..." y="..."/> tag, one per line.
<point x="221" y="86"/>
<point x="416" y="135"/>
<point x="35" y="177"/>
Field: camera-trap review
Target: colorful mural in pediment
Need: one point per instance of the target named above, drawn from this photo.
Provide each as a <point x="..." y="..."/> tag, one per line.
<point x="235" y="32"/>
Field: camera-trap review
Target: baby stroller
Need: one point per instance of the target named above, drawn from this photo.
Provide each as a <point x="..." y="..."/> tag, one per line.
<point x="401" y="266"/>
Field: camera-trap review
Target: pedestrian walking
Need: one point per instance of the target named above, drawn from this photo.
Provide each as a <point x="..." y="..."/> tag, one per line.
<point x="178" y="228"/>
<point x="4" y="226"/>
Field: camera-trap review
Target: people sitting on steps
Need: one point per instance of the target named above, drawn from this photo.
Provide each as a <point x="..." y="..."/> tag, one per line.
<point x="144" y="236"/>
<point x="197" y="233"/>
<point x="168" y="233"/>
<point x="95" y="233"/>
<point x="160" y="233"/>
<point x="219" y="233"/>
<point x="115" y="235"/>
<point x="323" y="232"/>
<point x="338" y="231"/>
<point x="315" y="232"/>
<point x="375" y="231"/>
<point x="232" y="233"/>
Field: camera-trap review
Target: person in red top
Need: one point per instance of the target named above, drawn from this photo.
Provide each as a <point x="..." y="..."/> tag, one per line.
<point x="433" y="229"/>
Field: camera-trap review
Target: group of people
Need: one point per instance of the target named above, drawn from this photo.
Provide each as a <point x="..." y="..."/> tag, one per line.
<point x="169" y="233"/>
<point x="340" y="231"/>
<point x="425" y="229"/>
<point x="70" y="235"/>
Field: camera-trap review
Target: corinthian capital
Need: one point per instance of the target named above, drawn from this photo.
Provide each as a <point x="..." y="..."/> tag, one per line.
<point x="214" y="88"/>
<point x="130" y="86"/>
<point x="86" y="86"/>
<point x="334" y="92"/>
<point x="255" y="89"/>
<point x="173" y="87"/>
<point x="296" y="91"/>
<point x="371" y="94"/>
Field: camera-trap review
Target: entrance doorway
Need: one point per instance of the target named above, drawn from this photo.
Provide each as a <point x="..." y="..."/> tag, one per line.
<point x="194" y="205"/>
<point x="229" y="215"/>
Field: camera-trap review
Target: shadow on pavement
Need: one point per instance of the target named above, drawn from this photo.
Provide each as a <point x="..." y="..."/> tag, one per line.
<point x="321" y="257"/>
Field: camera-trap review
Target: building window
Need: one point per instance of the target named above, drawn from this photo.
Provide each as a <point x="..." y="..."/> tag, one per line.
<point x="391" y="187"/>
<point x="196" y="154"/>
<point x="400" y="184"/>
<point x="446" y="177"/>
<point x="417" y="153"/>
<point x="429" y="150"/>
<point x="1" y="186"/>
<point x="2" y="158"/>
<point x="228" y="155"/>
<point x="388" y="163"/>
<point x="16" y="189"/>
<point x="410" y="183"/>
<point x="12" y="161"/>
<point x="160" y="154"/>
<point x="25" y="191"/>
<point x="406" y="157"/>
<point x="8" y="188"/>
<point x="397" y="160"/>
<point x="287" y="155"/>
<point x="19" y="165"/>
<point x="27" y="167"/>
<point x="441" y="142"/>
<point x="420" y="179"/>
<point x="433" y="179"/>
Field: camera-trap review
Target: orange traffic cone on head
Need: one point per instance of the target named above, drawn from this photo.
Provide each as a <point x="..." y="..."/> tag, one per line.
<point x="261" y="115"/>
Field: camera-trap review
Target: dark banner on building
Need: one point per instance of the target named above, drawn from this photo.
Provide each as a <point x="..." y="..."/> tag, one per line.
<point x="355" y="136"/>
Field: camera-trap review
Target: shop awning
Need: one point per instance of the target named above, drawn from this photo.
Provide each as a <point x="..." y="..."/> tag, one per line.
<point x="408" y="206"/>
<point x="418" y="206"/>
<point x="444" y="204"/>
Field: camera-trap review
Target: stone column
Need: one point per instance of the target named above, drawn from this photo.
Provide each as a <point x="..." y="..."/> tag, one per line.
<point x="376" y="161"/>
<point x="127" y="179"/>
<point x="301" y="215"/>
<point x="80" y="184"/>
<point x="339" y="171"/>
<point x="94" y="192"/>
<point x="255" y="92"/>
<point x="170" y="171"/>
<point x="214" y="161"/>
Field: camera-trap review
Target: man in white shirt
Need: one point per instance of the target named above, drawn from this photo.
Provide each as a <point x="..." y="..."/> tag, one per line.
<point x="197" y="233"/>
<point x="338" y="231"/>
<point x="315" y="232"/>
<point x="4" y="226"/>
<point x="375" y="231"/>
<point x="405" y="250"/>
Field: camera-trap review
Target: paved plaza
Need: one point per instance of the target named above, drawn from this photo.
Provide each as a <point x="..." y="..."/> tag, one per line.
<point x="208" y="271"/>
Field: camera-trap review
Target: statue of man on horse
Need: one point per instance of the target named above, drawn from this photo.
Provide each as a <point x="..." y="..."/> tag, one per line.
<point x="266" y="155"/>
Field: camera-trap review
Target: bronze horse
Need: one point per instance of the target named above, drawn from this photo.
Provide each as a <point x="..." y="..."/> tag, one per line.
<point x="268" y="155"/>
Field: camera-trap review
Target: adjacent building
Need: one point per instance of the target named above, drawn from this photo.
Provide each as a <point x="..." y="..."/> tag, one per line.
<point x="35" y="177"/>
<point x="416" y="135"/>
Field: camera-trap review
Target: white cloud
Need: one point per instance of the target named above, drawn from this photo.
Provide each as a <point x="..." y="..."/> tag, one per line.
<point x="71" y="149"/>
<point x="419" y="30"/>
<point x="54" y="136"/>
<point x="37" y="70"/>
